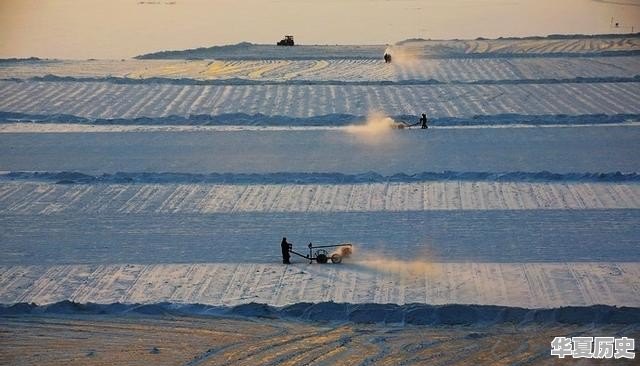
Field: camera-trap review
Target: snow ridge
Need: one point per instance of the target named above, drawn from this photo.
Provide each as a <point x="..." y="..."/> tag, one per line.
<point x="314" y="178"/>
<point x="334" y="119"/>
<point x="414" y="314"/>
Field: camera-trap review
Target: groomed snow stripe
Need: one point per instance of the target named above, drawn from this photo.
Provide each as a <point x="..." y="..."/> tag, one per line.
<point x="378" y="282"/>
<point x="205" y="198"/>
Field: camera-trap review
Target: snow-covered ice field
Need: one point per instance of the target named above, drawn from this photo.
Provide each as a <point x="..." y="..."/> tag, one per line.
<point x="180" y="177"/>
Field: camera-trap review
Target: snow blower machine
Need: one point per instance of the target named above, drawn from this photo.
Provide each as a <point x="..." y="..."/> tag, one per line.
<point x="320" y="254"/>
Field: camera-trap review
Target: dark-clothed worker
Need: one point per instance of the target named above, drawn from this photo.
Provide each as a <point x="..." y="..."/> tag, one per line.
<point x="285" y="251"/>
<point x="423" y="121"/>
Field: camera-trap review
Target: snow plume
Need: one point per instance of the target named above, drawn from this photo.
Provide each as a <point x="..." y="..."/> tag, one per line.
<point x="376" y="127"/>
<point x="403" y="55"/>
<point x="383" y="262"/>
<point x="344" y="252"/>
<point x="399" y="267"/>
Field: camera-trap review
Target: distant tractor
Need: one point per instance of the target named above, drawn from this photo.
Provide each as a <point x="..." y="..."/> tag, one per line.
<point x="286" y="41"/>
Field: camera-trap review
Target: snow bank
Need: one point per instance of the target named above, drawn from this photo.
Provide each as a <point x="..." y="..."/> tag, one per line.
<point x="314" y="178"/>
<point x="332" y="120"/>
<point x="412" y="314"/>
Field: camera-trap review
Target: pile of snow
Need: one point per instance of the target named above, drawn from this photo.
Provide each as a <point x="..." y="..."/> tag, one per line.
<point x="413" y="314"/>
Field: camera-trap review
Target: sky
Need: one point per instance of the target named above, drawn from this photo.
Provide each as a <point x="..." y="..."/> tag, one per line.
<point x="115" y="29"/>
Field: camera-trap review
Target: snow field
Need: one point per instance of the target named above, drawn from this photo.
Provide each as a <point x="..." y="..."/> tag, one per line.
<point x="45" y="199"/>
<point x="109" y="101"/>
<point x="528" y="285"/>
<point x="547" y="242"/>
<point x="416" y="49"/>
<point x="343" y="70"/>
<point x="511" y="47"/>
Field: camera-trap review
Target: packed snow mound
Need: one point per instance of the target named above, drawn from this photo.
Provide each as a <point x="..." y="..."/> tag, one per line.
<point x="329" y="120"/>
<point x="412" y="314"/>
<point x="313" y="178"/>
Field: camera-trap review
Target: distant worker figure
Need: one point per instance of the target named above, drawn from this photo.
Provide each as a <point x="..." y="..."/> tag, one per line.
<point x="387" y="58"/>
<point x="285" y="251"/>
<point x="423" y="121"/>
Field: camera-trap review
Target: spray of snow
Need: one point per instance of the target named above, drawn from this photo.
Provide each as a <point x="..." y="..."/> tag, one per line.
<point x="400" y="267"/>
<point x="383" y="262"/>
<point x="376" y="127"/>
<point x="344" y="252"/>
<point x="403" y="56"/>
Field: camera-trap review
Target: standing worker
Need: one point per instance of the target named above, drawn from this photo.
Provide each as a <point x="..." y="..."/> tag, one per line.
<point x="285" y="251"/>
<point x="423" y="121"/>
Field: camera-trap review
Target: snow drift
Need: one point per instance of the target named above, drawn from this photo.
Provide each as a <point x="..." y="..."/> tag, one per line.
<point x="411" y="314"/>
